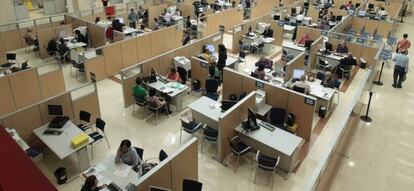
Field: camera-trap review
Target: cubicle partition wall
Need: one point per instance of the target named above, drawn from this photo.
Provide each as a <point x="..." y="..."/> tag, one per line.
<point x="316" y="45"/>
<point x="170" y="173"/>
<point x="263" y="7"/>
<point x="228" y="18"/>
<point x="26" y="119"/>
<point x="382" y="27"/>
<point x="301" y="105"/>
<point x="96" y="33"/>
<point x="154" y="12"/>
<point x="18" y="90"/>
<point x="297" y="63"/>
<point x="313" y="32"/>
<point x="162" y="63"/>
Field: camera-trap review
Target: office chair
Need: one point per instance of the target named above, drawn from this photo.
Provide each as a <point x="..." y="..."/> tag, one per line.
<point x="189" y="127"/>
<point x="155" y="109"/>
<point x="192" y="185"/>
<point x="141" y="102"/>
<point x="79" y="67"/>
<point x="238" y="149"/>
<point x="323" y="64"/>
<point x="286" y="56"/>
<point x="96" y="136"/>
<point x="267" y="164"/>
<point x="210" y="135"/>
<point x="183" y="74"/>
<point x="211" y="89"/>
<point x="278" y="117"/>
<point x="140" y="152"/>
<point x="320" y="76"/>
<point x="161" y="156"/>
<point x="346" y="71"/>
<point x="242" y="57"/>
<point x="298" y="89"/>
<point x="85" y="120"/>
<point x="337" y="86"/>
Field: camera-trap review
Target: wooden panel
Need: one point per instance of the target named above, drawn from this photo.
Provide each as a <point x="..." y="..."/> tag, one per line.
<point x="357" y="24"/>
<point x="97" y="66"/>
<point x="113" y="59"/>
<point x="187" y="10"/>
<point x="185" y="166"/>
<point x="371" y="25"/>
<point x="195" y="49"/>
<point x="303" y="114"/>
<point x="160" y="178"/>
<point x="249" y="102"/>
<point x="166" y="62"/>
<point x="97" y="35"/>
<point x="178" y="38"/>
<point x="355" y="49"/>
<point x="384" y="28"/>
<point x="43" y="26"/>
<point x="127" y="86"/>
<point x="12" y="40"/>
<point x="227" y="124"/>
<point x="276" y="97"/>
<point x="44" y="36"/>
<point x="198" y="72"/>
<point x="169" y="39"/>
<point x="129" y="53"/>
<point x="89" y="103"/>
<point x="66" y="28"/>
<point x="183" y="51"/>
<point x="249" y="84"/>
<point x="64" y="100"/>
<point x="118" y="36"/>
<point x="369" y="55"/>
<point x="2" y="50"/>
<point x="153" y="63"/>
<point x="52" y="83"/>
<point x="235" y="41"/>
<point x="6" y="97"/>
<point x="144" y="47"/>
<point x="157" y="43"/>
<point x="232" y="83"/>
<point x="277" y="33"/>
<point x="32" y="120"/>
<point x="25" y="88"/>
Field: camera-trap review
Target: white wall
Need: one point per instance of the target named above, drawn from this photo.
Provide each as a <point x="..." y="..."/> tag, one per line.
<point x="7" y="14"/>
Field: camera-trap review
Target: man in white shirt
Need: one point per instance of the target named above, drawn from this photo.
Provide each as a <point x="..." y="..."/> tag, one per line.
<point x="167" y="17"/>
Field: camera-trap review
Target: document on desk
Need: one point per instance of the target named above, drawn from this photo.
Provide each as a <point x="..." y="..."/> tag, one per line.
<point x="122" y="170"/>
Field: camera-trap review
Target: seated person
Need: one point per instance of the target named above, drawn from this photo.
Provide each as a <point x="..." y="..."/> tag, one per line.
<point x="264" y="61"/>
<point x="128" y="155"/>
<point x="260" y="72"/>
<point x="346" y="63"/>
<point x="301" y="83"/>
<point x="63" y="49"/>
<point x="186" y="37"/>
<point x="268" y="32"/>
<point x="313" y="75"/>
<point x="31" y="39"/>
<point x="167" y="18"/>
<point x="138" y="90"/>
<point x="117" y="25"/>
<point x="206" y="55"/>
<point x="80" y="37"/>
<point x="304" y="38"/>
<point x="97" y="19"/>
<point x="342" y="48"/>
<point x="156" y="24"/>
<point x="91" y="184"/>
<point x="249" y="32"/>
<point x="158" y="102"/>
<point x="328" y="81"/>
<point x="173" y="76"/>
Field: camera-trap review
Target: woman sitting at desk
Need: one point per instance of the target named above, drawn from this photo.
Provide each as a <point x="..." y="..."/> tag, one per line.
<point x="304" y="38"/>
<point x="264" y="61"/>
<point x="173" y="76"/>
<point x="158" y="102"/>
<point x="328" y="81"/>
<point x="342" y="48"/>
<point x="91" y="184"/>
<point x="80" y="37"/>
<point x="260" y="72"/>
<point x="206" y="55"/>
<point x="128" y="155"/>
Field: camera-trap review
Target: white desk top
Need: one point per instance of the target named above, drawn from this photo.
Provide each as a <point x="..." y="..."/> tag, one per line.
<point x="291" y="45"/>
<point x="207" y="107"/>
<point x="129" y="30"/>
<point x="60" y="144"/>
<point x="229" y="61"/>
<point x="331" y="56"/>
<point x="176" y="17"/>
<point x="317" y="90"/>
<point x="288" y="27"/>
<point x="175" y="87"/>
<point x="108" y="171"/>
<point x="73" y="45"/>
<point x="105" y="23"/>
<point x="278" y="139"/>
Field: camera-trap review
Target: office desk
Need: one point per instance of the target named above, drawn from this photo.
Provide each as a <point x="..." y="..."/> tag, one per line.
<point x="107" y="171"/>
<point x="293" y="48"/>
<point x="323" y="94"/>
<point x="104" y="23"/>
<point x="173" y="89"/>
<point x="332" y="59"/>
<point x="289" y="28"/>
<point x="274" y="143"/>
<point x="60" y="144"/>
<point x="74" y="48"/>
<point x="207" y="111"/>
<point x="230" y="61"/>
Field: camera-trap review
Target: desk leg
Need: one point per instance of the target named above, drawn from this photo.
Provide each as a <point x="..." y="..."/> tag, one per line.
<point x="83" y="159"/>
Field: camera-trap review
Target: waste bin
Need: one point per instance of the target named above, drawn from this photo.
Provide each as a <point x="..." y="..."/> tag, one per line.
<point x="60" y="174"/>
<point x="322" y="112"/>
<point x="363" y="64"/>
<point x="196" y="85"/>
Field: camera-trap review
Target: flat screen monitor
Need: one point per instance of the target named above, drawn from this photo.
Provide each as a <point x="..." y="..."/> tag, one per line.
<point x="11" y="56"/>
<point x="339" y="18"/>
<point x="227" y="104"/>
<point x="306" y="4"/>
<point x="210" y="48"/>
<point x="370" y="6"/>
<point x="251" y="120"/>
<point x="298" y="73"/>
<point x="55" y="110"/>
<point x="154" y="188"/>
<point x="121" y="20"/>
<point x="328" y="46"/>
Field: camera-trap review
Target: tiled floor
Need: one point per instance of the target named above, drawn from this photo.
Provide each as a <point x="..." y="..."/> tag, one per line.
<point x="380" y="156"/>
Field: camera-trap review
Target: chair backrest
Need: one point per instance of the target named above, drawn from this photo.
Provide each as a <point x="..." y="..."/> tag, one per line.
<point x="320" y="76"/>
<point x="322" y="62"/>
<point x="266" y="162"/>
<point x="337" y="84"/>
<point x="210" y="132"/>
<point x="163" y="155"/>
<point x="24" y="65"/>
<point x="140" y="99"/>
<point x="185" y="124"/>
<point x="211" y="85"/>
<point x="242" y="54"/>
<point x="100" y="124"/>
<point x="85" y="116"/>
<point x="183" y="74"/>
<point x="277" y="116"/>
<point x="299" y="89"/>
<point x="140" y="152"/>
<point x="192" y="185"/>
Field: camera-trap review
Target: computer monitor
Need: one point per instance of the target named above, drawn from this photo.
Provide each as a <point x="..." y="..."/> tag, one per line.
<point x="242" y="95"/>
<point x="297" y="73"/>
<point x="370" y="6"/>
<point x="328" y="46"/>
<point x="339" y="18"/>
<point x="121" y="20"/>
<point x="251" y="123"/>
<point x="210" y="48"/>
<point x="306" y="4"/>
<point x="154" y="188"/>
<point x="55" y="110"/>
<point x="308" y="44"/>
<point x="11" y="57"/>
<point x="227" y="104"/>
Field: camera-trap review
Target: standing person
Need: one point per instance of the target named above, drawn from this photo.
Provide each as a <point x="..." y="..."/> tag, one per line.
<point x="105" y="3"/>
<point x="404" y="44"/>
<point x="133" y="19"/>
<point x="222" y="57"/>
<point x="140" y="12"/>
<point x="400" y="69"/>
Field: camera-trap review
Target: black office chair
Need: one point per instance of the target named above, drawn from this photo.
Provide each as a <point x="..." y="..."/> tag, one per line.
<point x="183" y="74"/>
<point x="151" y="106"/>
<point x="85" y="120"/>
<point x="211" y="89"/>
<point x="141" y="102"/>
<point x="96" y="136"/>
<point x="192" y="185"/>
<point x="140" y="152"/>
<point x="320" y="76"/>
<point x="346" y="71"/>
<point x="189" y="127"/>
<point x="278" y="117"/>
<point x="298" y="89"/>
<point x="238" y="148"/>
<point x="162" y="155"/>
<point x="210" y="135"/>
<point x="79" y="67"/>
<point x="267" y="164"/>
<point x="25" y="65"/>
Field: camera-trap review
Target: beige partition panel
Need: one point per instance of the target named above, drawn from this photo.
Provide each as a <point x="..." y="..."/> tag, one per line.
<point x="97" y="66"/>
<point x="187" y="10"/>
<point x="12" y="40"/>
<point x="249" y="84"/>
<point x="2" y="49"/>
<point x="157" y="43"/>
<point x="358" y="23"/>
<point x="312" y="12"/>
<point x="97" y="35"/>
<point x="371" y="26"/>
<point x="44" y="36"/>
<point x="160" y="178"/>
<point x="129" y="52"/>
<point x="198" y="72"/>
<point x="127" y="86"/>
<point x="66" y="29"/>
<point x="25" y="87"/>
<point x="355" y="49"/>
<point x="184" y="166"/>
<point x="154" y="12"/>
<point x="52" y="83"/>
<point x="277" y="33"/>
<point x="384" y="28"/>
<point x="369" y="53"/>
<point x="144" y="47"/>
<point x="276" y="96"/>
<point x="232" y="83"/>
<point x="151" y="64"/>
<point x="166" y="62"/>
<point x="183" y="51"/>
<point x="64" y="100"/>
<point x="303" y="113"/>
<point x="297" y="63"/>
<point x="113" y="59"/>
<point x="213" y="23"/>
<point x="6" y="97"/>
<point x="237" y="35"/>
<point x="169" y="39"/>
<point x="178" y="38"/>
<point x="89" y="103"/>
<point x="118" y="36"/>
<point x="195" y="48"/>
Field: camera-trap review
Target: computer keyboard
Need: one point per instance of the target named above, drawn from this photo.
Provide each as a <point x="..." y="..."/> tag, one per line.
<point x="52" y="132"/>
<point x="267" y="126"/>
<point x="165" y="81"/>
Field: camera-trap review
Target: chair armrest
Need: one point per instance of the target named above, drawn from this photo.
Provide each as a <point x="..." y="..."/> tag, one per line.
<point x="246" y="149"/>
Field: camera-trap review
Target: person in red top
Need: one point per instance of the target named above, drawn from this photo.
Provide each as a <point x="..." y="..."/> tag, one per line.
<point x="173" y="75"/>
<point x="404" y="44"/>
<point x="304" y="38"/>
